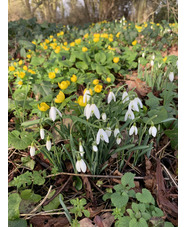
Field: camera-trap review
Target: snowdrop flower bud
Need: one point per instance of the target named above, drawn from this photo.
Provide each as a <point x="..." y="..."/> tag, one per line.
<point x="153" y="131"/>
<point x="125" y="97"/>
<point x="118" y="139"/>
<point x="52" y="113"/>
<point x="171" y="76"/>
<point x="133" y="130"/>
<point x="153" y="57"/>
<point x="81" y="166"/>
<point x="152" y="63"/>
<point x="94" y="147"/>
<point x="116" y="132"/>
<point x="104" y="117"/>
<point x="42" y="133"/>
<point x="32" y="150"/>
<point x="143" y="55"/>
<point x="108" y="131"/>
<point x="111" y="97"/>
<point x="48" y="144"/>
<point x="138" y="101"/>
<point x="81" y="150"/>
<point x="102" y="135"/>
<point x="129" y="114"/>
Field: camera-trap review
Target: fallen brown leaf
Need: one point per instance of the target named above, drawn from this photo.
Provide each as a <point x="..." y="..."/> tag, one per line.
<point x="48" y="221"/>
<point x="88" y="188"/>
<point x="86" y="222"/>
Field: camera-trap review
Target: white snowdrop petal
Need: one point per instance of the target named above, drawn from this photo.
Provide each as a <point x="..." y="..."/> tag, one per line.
<point x="136" y="130"/>
<point x="154" y="131"/>
<point x="131" y="131"/>
<point x="108" y="131"/>
<point x="116" y="131"/>
<point x="78" y="166"/>
<point x="98" y="137"/>
<point x="83" y="166"/>
<point x="58" y="112"/>
<point x="42" y="133"/>
<point x="32" y="151"/>
<point x="150" y="130"/>
<point x="96" y="111"/>
<point x="48" y="145"/>
<point x="95" y="148"/>
<point x="52" y="113"/>
<point x="105" y="136"/>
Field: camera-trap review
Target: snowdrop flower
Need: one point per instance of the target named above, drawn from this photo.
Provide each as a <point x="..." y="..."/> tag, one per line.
<point x="153" y="57"/>
<point x="153" y="131"/>
<point x="81" y="150"/>
<point x="129" y="114"/>
<point x="90" y="110"/>
<point x="133" y="130"/>
<point x="152" y="63"/>
<point x="108" y="131"/>
<point x="32" y="150"/>
<point x="48" y="144"/>
<point x="171" y="76"/>
<point x="104" y="117"/>
<point x="118" y="140"/>
<point x="86" y="109"/>
<point x="110" y="97"/>
<point x="143" y="55"/>
<point x="138" y="101"/>
<point x="159" y="65"/>
<point x="81" y="166"/>
<point x="94" y="147"/>
<point x="86" y="96"/>
<point x="52" y="113"/>
<point x="42" y="133"/>
<point x="125" y="97"/>
<point x="133" y="105"/>
<point x="116" y="131"/>
<point x="102" y="135"/>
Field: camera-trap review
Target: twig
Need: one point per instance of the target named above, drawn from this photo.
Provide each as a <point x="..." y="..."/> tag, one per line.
<point x="163" y="148"/>
<point x="41" y="203"/>
<point x="166" y="170"/>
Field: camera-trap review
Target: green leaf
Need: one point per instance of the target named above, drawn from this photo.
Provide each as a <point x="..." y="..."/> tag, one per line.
<point x="157" y="212"/>
<point x="127" y="180"/>
<point x="140" y="223"/>
<point x="145" y="196"/>
<point x="44" y="88"/>
<point x="153" y="101"/>
<point x="28" y="194"/>
<point x="28" y="162"/>
<point x="37" y="61"/>
<point x="100" y="57"/>
<point x="161" y="113"/>
<point x="13" y="206"/>
<point x="173" y="135"/>
<point x="168" y="224"/>
<point x="78" y="183"/>
<point x="123" y="222"/>
<point x="81" y="65"/>
<point x="119" y="200"/>
<point x="37" y="178"/>
<point x="17" y="223"/>
<point x="23" y="52"/>
<point x="86" y="213"/>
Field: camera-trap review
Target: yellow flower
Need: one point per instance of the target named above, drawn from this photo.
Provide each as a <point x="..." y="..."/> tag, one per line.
<point x="68" y="82"/>
<point x="21" y="75"/>
<point x="63" y="85"/>
<point x="86" y="35"/>
<point x="58" y="34"/>
<point x="20" y="82"/>
<point x="134" y="42"/>
<point x="45" y="47"/>
<point x="65" y="43"/>
<point x="158" y="24"/>
<point x="11" y="68"/>
<point x="73" y="78"/>
<point x="57" y="50"/>
<point x="108" y="79"/>
<point x="34" y="42"/>
<point x="62" y="33"/>
<point x="96" y="81"/>
<point x="51" y="36"/>
<point x="51" y="75"/>
<point x="110" y="39"/>
<point x="20" y="62"/>
<point x="98" y="88"/>
<point x="72" y="44"/>
<point x="96" y="35"/>
<point x="43" y="106"/>
<point x="165" y="59"/>
<point x="84" y="49"/>
<point x="115" y="60"/>
<point x="60" y="97"/>
<point x="28" y="56"/>
<point x="15" y="63"/>
<point x="96" y="40"/>
<point x="78" y="41"/>
<point x="47" y="41"/>
<point x="56" y="70"/>
<point x="80" y="101"/>
<point x="25" y="68"/>
<point x="117" y="35"/>
<point x="146" y="25"/>
<point x="54" y="40"/>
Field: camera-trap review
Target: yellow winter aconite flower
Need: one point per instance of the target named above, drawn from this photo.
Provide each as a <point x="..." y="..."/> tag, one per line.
<point x="65" y="43"/>
<point x="34" y="42"/>
<point x="145" y="25"/>
<point x="21" y="75"/>
<point x="110" y="39"/>
<point x="20" y="82"/>
<point x="98" y="88"/>
<point x="86" y="35"/>
<point x="84" y="49"/>
<point x="20" y="62"/>
<point x="56" y="70"/>
<point x="43" y="106"/>
<point x="62" y="33"/>
<point x="15" y="63"/>
<point x="165" y="59"/>
<point x="117" y="35"/>
<point x="29" y="56"/>
<point x="63" y="85"/>
<point x="104" y="35"/>
<point x="158" y="24"/>
<point x="60" y="97"/>
<point x="57" y="50"/>
<point x="47" y="41"/>
<point x="96" y="35"/>
<point x="68" y="82"/>
<point x="11" y="68"/>
<point x="31" y="71"/>
<point x="52" y="75"/>
<point x="115" y="59"/>
<point x="108" y="79"/>
<point x="80" y="101"/>
<point x="51" y="36"/>
<point x="96" y="40"/>
<point x="54" y="40"/>
<point x="45" y="47"/>
<point x="78" y="41"/>
<point x="72" y="44"/>
<point x="134" y="42"/>
<point x="25" y="67"/>
<point x="96" y="81"/>
<point x="73" y="78"/>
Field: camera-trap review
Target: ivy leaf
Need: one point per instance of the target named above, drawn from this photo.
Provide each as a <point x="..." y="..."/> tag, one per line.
<point x="127" y="180"/>
<point x="145" y="196"/>
<point x="13" y="206"/>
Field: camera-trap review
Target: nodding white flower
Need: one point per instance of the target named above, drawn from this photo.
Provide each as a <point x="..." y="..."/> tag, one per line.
<point x="133" y="130"/>
<point x="152" y="62"/>
<point x="171" y="76"/>
<point x="159" y="65"/>
<point x="129" y="114"/>
<point x="133" y="105"/>
<point x="153" y="131"/>
<point x="86" y="96"/>
<point x="48" y="144"/>
<point x="42" y="133"/>
<point x="102" y="135"/>
<point x="81" y="166"/>
<point x="118" y="139"/>
<point x="32" y="150"/>
<point x="90" y="110"/>
<point x="153" y="57"/>
<point x="94" y="147"/>
<point x="81" y="150"/>
<point x="52" y="113"/>
<point x="104" y="117"/>
<point x="143" y="55"/>
<point x="116" y="131"/>
<point x="108" y="131"/>
<point x="125" y="97"/>
<point x="111" y="97"/>
<point x="138" y="101"/>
